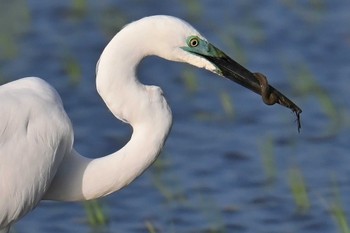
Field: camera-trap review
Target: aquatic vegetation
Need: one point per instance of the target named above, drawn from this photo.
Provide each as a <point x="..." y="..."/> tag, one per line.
<point x="150" y="227"/>
<point x="110" y="20"/>
<point x="268" y="159"/>
<point x="79" y="7"/>
<point x="194" y="8"/>
<point x="338" y="211"/>
<point x="299" y="191"/>
<point x="166" y="182"/>
<point x="230" y="40"/>
<point x="96" y="214"/>
<point x="190" y="80"/>
<point x="227" y="104"/>
<point x="73" y="70"/>
<point x="310" y="11"/>
<point x="306" y="85"/>
<point x="212" y="213"/>
<point x="15" y="21"/>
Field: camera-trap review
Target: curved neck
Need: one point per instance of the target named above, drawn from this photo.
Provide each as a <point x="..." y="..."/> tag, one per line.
<point x="143" y="107"/>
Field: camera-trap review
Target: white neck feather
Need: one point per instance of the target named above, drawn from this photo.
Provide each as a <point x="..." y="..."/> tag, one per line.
<point x="143" y="107"/>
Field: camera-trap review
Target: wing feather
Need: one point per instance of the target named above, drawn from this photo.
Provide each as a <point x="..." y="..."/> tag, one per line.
<point x="35" y="135"/>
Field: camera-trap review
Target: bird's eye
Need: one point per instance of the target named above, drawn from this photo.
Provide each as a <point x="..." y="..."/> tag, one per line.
<point x="193" y="42"/>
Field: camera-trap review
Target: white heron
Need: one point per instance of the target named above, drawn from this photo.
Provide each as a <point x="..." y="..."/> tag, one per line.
<point x="37" y="158"/>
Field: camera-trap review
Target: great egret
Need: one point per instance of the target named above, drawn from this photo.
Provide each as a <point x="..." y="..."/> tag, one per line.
<point x="37" y="160"/>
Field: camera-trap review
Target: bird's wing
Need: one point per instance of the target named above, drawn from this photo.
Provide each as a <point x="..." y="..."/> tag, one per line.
<point x="35" y="134"/>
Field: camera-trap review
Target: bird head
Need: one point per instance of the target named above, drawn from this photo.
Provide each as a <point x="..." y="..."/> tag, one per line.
<point x="179" y="41"/>
<point x="174" y="39"/>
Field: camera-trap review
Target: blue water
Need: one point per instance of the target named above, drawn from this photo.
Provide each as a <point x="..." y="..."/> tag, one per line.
<point x="211" y="175"/>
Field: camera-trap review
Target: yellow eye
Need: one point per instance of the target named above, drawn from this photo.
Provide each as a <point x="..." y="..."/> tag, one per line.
<point x="193" y="42"/>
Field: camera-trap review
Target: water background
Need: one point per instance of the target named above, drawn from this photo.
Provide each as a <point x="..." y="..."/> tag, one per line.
<point x="231" y="163"/>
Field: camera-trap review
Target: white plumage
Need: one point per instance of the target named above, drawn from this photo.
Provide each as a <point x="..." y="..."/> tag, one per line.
<point x="37" y="160"/>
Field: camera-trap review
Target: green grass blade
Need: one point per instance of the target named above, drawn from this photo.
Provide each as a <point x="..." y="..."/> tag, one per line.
<point x="299" y="190"/>
<point x="338" y="211"/>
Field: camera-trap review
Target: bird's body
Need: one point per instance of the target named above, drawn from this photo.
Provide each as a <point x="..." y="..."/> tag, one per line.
<point x="35" y="134"/>
<point x="37" y="159"/>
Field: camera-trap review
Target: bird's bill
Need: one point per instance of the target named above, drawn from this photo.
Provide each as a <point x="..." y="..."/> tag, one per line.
<point x="230" y="69"/>
<point x="233" y="71"/>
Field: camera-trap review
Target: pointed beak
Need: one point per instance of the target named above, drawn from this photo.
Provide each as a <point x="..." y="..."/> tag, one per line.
<point x="232" y="70"/>
<point x="255" y="82"/>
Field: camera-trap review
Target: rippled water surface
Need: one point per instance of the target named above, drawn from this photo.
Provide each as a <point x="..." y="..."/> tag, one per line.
<point x="231" y="163"/>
